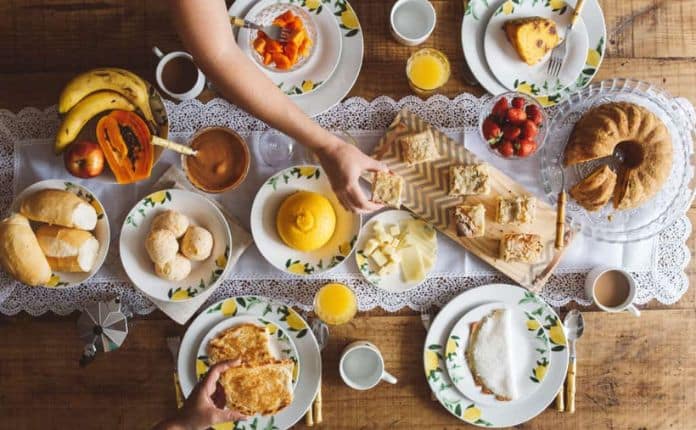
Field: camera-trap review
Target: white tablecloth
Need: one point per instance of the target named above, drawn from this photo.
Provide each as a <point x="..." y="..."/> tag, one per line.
<point x="25" y="140"/>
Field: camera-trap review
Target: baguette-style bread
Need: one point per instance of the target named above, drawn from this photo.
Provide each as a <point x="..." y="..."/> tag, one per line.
<point x="68" y="249"/>
<point x="20" y="253"/>
<point x="58" y="207"/>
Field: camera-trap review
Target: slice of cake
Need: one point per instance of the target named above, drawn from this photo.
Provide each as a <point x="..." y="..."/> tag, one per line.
<point x="516" y="210"/>
<point x="521" y="247"/>
<point x="532" y="37"/>
<point x="245" y="342"/>
<point x="469" y="179"/>
<point x="470" y="220"/>
<point x="263" y="389"/>
<point x="387" y="188"/>
<point x="418" y="147"/>
<point x="489" y="355"/>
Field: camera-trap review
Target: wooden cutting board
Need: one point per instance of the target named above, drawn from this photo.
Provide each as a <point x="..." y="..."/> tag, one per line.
<point x="426" y="195"/>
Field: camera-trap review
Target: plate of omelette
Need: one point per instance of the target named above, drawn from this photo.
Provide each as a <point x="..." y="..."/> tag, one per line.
<point x="279" y="364"/>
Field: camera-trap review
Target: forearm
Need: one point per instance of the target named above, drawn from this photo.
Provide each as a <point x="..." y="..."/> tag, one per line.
<point x="206" y="32"/>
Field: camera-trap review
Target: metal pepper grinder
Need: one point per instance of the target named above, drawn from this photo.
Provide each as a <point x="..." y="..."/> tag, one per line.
<point x="103" y="326"/>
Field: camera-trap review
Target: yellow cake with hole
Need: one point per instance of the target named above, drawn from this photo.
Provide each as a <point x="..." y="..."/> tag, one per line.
<point x="306" y="221"/>
<point x="532" y="37"/>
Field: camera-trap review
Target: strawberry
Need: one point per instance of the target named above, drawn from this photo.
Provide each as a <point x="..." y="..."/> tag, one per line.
<point x="516" y="116"/>
<point x="500" y="107"/>
<point x="527" y="147"/>
<point x="519" y="102"/>
<point x="511" y="132"/>
<point x="529" y="129"/>
<point x="506" y="149"/>
<point x="491" y="131"/>
<point x="535" y="114"/>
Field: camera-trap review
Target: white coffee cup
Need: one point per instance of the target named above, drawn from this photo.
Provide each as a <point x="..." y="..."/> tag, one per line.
<point x="195" y="90"/>
<point x="591" y="284"/>
<point x="412" y="21"/>
<point x="362" y="366"/>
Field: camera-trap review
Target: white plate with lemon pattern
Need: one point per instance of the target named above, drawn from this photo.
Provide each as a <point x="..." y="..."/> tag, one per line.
<point x="505" y="414"/>
<point x="280" y="343"/>
<point x="101" y="232"/>
<point x="278" y="314"/>
<point x="530" y="347"/>
<point x="314" y="101"/>
<point x="204" y="274"/>
<point x="476" y="17"/>
<point x="320" y="64"/>
<point x="512" y="72"/>
<point x="263" y="223"/>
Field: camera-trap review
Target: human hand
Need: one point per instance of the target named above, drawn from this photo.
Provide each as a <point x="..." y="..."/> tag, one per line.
<point x="343" y="164"/>
<point x="206" y="404"/>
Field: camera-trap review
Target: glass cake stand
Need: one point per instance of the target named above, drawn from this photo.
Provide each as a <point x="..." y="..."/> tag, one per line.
<point x="673" y="199"/>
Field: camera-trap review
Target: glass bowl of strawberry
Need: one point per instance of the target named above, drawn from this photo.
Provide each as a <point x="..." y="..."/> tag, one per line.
<point x="513" y="125"/>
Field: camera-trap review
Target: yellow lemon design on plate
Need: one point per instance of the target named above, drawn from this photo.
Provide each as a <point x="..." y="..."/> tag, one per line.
<point x="307" y="86"/>
<point x="221" y="261"/>
<point x="306" y="221"/>
<point x="297" y="268"/>
<point x="53" y="281"/>
<point x="344" y="248"/>
<point x="180" y="295"/>
<point x="524" y="88"/>
<point x="225" y="426"/>
<point x="533" y="325"/>
<point x="201" y="368"/>
<point x="97" y="207"/>
<point x="307" y="171"/>
<point x="431" y="362"/>
<point x="349" y="19"/>
<point x="312" y="4"/>
<point x="508" y="7"/>
<point x="556" y="334"/>
<point x="158" y="197"/>
<point x="271" y="328"/>
<point x="540" y="372"/>
<point x="545" y="101"/>
<point x="229" y="307"/>
<point x="557" y="4"/>
<point x="294" y="321"/>
<point x="593" y="57"/>
<point x="471" y="414"/>
<point x="295" y="371"/>
<point x="451" y="347"/>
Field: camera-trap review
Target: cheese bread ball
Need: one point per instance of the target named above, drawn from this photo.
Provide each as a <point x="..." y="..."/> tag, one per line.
<point x="161" y="246"/>
<point x="172" y="221"/>
<point x="197" y="243"/>
<point x="176" y="269"/>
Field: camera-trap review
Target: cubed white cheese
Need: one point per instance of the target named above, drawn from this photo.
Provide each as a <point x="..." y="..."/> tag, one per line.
<point x="370" y="246"/>
<point x="412" y="265"/>
<point x="394" y="230"/>
<point x="379" y="258"/>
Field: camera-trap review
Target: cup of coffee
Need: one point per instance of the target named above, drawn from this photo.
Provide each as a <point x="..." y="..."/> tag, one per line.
<point x="178" y="76"/>
<point x="362" y="366"/>
<point x="612" y="289"/>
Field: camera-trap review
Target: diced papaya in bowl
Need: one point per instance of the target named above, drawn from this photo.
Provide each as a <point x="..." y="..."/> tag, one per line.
<point x="286" y="54"/>
<point x="260" y="45"/>
<point x="281" y="61"/>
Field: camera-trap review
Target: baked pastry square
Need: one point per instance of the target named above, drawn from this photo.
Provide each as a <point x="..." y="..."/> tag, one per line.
<point x="516" y="210"/>
<point x="387" y="188"/>
<point x="418" y="147"/>
<point x="245" y="342"/>
<point x="521" y="247"/>
<point x="469" y="179"/>
<point x="470" y="220"/>
<point x="264" y="389"/>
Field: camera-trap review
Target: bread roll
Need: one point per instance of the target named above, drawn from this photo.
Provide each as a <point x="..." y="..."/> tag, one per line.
<point x="172" y="221"/>
<point x="161" y="246"/>
<point x="68" y="249"/>
<point x="60" y="208"/>
<point x="197" y="243"/>
<point x="20" y="253"/>
<point x="176" y="269"/>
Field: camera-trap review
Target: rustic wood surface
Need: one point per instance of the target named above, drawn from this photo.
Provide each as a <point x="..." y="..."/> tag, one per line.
<point x="633" y="373"/>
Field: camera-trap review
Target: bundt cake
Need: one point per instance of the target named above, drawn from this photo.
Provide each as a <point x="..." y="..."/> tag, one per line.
<point x="638" y="138"/>
<point x="595" y="190"/>
<point x="532" y="37"/>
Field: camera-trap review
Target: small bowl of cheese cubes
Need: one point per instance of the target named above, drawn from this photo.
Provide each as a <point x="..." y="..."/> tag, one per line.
<point x="396" y="251"/>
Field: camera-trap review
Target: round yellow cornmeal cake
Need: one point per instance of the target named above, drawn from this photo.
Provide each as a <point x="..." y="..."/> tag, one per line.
<point x="306" y="221"/>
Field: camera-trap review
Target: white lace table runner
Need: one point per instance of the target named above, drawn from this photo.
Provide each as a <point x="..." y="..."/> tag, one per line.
<point x="658" y="264"/>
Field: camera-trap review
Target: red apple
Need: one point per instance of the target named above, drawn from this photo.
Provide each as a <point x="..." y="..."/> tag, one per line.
<point x="84" y="159"/>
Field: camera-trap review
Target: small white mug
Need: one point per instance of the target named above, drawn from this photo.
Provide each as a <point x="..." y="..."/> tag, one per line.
<point x="627" y="305"/>
<point x="412" y="21"/>
<point x="362" y="366"/>
<point x="192" y="93"/>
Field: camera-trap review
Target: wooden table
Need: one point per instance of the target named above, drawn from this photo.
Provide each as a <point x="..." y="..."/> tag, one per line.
<point x="633" y="373"/>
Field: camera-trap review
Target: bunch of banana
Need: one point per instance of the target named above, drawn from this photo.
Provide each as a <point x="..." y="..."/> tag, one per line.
<point x="96" y="91"/>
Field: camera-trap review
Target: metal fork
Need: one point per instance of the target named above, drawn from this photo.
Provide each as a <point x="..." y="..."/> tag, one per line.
<point x="274" y="32"/>
<point x="558" y="54"/>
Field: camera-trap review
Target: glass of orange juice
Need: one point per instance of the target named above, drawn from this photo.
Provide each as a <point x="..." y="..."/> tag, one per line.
<point x="427" y="70"/>
<point x="335" y="303"/>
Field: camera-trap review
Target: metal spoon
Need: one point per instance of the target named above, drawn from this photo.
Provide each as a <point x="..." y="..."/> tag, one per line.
<point x="574" y="327"/>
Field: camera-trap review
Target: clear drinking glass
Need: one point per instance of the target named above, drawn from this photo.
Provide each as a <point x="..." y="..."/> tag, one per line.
<point x="275" y="148"/>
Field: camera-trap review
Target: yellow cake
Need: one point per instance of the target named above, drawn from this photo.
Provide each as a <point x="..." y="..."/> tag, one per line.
<point x="595" y="190"/>
<point x="532" y="37"/>
<point x="306" y="221"/>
